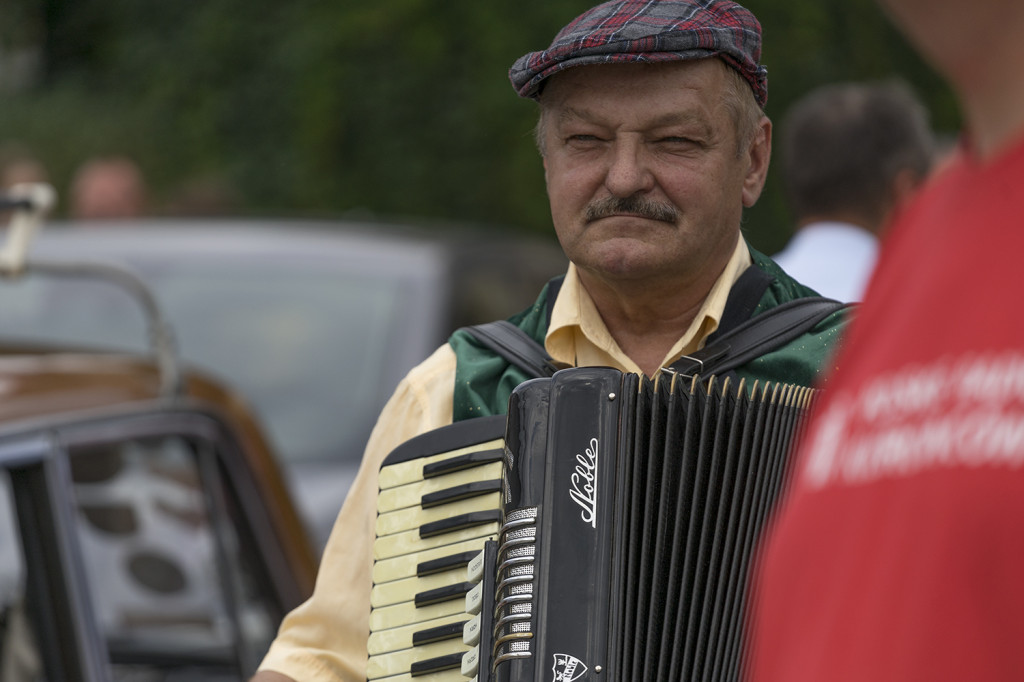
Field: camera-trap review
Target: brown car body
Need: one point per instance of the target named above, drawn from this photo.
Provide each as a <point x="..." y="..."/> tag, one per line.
<point x="38" y="384"/>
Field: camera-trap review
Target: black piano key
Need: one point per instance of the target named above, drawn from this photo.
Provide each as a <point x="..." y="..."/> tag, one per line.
<point x="460" y="492"/>
<point x="440" y="594"/>
<point x="460" y="462"/>
<point x="446" y="439"/>
<point x="438" y="634"/>
<point x="445" y="563"/>
<point x="459" y="522"/>
<point x="436" y="665"/>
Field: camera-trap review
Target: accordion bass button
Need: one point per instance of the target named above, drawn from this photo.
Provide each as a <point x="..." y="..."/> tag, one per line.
<point x="475" y="570"/>
<point x="471" y="662"/>
<point x="471" y="631"/>
<point x="475" y="599"/>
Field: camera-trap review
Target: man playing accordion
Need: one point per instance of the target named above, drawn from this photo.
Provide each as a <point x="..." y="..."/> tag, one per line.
<point x="653" y="139"/>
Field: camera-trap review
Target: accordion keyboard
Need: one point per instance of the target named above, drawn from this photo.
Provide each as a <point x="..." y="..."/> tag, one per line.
<point x="437" y="509"/>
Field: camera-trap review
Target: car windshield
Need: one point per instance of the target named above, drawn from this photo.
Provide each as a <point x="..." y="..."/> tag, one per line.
<point x="280" y="334"/>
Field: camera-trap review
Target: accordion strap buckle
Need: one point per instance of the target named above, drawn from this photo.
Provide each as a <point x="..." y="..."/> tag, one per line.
<point x="686" y="366"/>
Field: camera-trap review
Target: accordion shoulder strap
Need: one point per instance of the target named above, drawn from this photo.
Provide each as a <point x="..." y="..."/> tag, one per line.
<point x="744" y="297"/>
<point x="728" y="349"/>
<point x="515" y="345"/>
<point x="759" y="335"/>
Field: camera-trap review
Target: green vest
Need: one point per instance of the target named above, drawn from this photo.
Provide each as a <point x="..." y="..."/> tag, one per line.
<point x="484" y="381"/>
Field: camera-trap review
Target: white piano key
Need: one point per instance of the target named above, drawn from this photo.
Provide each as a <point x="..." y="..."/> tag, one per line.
<point x="410" y="541"/>
<point x="404" y="565"/>
<point x="412" y="470"/>
<point x="397" y="638"/>
<point x="413" y="517"/>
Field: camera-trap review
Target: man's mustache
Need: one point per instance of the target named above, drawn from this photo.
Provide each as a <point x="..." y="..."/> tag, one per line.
<point x="632" y="205"/>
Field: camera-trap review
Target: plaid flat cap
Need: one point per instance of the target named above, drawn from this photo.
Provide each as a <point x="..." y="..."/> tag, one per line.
<point x="650" y="31"/>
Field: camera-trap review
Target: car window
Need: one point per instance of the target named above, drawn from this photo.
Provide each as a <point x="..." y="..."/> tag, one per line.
<point x="177" y="591"/>
<point x="308" y="347"/>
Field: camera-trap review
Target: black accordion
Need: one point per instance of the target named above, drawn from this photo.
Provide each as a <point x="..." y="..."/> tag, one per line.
<point x="603" y="530"/>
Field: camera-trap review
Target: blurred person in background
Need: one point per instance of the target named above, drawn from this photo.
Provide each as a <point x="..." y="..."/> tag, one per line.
<point x="108" y="187"/>
<point x="899" y="553"/>
<point x="653" y="140"/>
<point x="851" y="154"/>
<point x="18" y="164"/>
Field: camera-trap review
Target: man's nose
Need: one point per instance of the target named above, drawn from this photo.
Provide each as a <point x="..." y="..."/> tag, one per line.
<point x="628" y="171"/>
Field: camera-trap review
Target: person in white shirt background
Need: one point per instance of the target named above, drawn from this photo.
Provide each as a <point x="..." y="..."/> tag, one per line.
<point x="851" y="154"/>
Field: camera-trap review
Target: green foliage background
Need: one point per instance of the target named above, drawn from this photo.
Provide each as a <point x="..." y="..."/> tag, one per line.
<point x="393" y="108"/>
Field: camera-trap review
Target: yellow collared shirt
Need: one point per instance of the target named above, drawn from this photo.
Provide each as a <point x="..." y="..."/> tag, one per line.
<point x="577" y="335"/>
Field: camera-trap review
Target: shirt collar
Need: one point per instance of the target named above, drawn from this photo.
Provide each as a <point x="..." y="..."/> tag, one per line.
<point x="577" y="335"/>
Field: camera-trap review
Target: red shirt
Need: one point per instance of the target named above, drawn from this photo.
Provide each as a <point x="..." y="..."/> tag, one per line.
<point x="899" y="553"/>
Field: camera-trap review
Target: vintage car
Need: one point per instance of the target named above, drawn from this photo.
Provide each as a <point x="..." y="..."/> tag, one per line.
<point x="146" y="532"/>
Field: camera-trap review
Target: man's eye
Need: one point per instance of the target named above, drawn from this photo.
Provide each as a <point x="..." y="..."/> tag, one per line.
<point x="674" y="142"/>
<point x="582" y="137"/>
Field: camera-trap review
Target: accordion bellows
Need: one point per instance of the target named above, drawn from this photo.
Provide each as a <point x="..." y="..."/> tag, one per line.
<point x="603" y="531"/>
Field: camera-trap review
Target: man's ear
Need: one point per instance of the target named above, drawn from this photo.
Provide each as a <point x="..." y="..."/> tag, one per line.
<point x="757" y="156"/>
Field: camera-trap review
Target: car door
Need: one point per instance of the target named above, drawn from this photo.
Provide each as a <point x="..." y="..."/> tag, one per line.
<point x="134" y="547"/>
